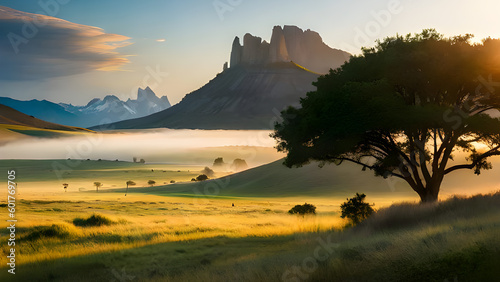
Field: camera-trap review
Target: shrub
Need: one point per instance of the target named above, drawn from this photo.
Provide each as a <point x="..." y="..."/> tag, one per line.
<point x="53" y="231"/>
<point x="201" y="177"/>
<point x="93" y="220"/>
<point x="356" y="209"/>
<point x="303" y="209"/>
<point x="172" y="181"/>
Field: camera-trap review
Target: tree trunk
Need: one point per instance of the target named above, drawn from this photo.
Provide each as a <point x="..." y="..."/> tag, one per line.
<point x="428" y="197"/>
<point x="430" y="193"/>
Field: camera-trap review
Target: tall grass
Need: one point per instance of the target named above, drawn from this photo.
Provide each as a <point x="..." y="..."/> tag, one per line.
<point x="260" y="242"/>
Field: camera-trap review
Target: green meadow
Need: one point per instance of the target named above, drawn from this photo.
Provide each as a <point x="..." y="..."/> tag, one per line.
<point x="237" y="227"/>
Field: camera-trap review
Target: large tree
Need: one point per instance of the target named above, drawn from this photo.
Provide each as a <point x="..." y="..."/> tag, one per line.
<point x="403" y="109"/>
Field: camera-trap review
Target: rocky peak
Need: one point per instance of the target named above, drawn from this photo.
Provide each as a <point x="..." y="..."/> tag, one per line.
<point x="278" y="51"/>
<point x="146" y="94"/>
<point x="289" y="43"/>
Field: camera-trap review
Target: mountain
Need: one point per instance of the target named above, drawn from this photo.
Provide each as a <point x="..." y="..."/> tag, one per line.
<point x="290" y="43"/>
<point x="97" y="111"/>
<point x="44" y="110"/>
<point x="262" y="80"/>
<point x="15" y="125"/>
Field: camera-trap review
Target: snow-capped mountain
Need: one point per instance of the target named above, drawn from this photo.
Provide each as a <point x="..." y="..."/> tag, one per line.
<point x="96" y="112"/>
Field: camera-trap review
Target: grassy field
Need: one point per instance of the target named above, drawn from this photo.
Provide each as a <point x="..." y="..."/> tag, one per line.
<point x="192" y="231"/>
<point x="44" y="178"/>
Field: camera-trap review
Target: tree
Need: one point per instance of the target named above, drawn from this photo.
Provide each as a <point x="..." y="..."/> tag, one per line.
<point x="129" y="183"/>
<point x="201" y="177"/>
<point x="65" y="186"/>
<point x="208" y="171"/>
<point x="356" y="209"/>
<point x="402" y="109"/>
<point x="303" y="209"/>
<point x="97" y="186"/>
<point x="142" y="161"/>
<point x="134" y="159"/>
<point x="151" y="182"/>
<point x="218" y="162"/>
<point x="239" y="164"/>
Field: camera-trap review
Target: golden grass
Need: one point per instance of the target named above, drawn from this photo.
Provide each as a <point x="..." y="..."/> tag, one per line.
<point x="145" y="220"/>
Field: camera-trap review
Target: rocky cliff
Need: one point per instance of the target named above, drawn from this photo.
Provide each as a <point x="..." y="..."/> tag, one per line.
<point x="290" y="43"/>
<point x="262" y="80"/>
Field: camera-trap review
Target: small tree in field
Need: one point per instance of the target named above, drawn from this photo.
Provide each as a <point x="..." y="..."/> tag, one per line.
<point x="97" y="186"/>
<point x="129" y="183"/>
<point x="208" y="171"/>
<point x="356" y="209"/>
<point x="65" y="186"/>
<point x="303" y="209"/>
<point x="201" y="177"/>
<point x="151" y="182"/>
<point x="218" y="162"/>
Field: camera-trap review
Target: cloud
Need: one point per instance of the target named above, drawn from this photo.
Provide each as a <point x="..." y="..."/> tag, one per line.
<point x="38" y="46"/>
<point x="160" y="40"/>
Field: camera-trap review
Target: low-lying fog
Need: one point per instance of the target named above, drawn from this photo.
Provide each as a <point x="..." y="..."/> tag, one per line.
<point x="154" y="146"/>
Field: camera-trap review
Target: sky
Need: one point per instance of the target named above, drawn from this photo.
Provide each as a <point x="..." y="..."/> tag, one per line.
<point x="80" y="50"/>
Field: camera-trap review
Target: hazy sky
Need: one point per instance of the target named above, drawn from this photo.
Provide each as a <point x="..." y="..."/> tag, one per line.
<point x="114" y="47"/>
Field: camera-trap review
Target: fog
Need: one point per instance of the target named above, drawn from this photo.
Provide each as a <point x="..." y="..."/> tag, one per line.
<point x="156" y="145"/>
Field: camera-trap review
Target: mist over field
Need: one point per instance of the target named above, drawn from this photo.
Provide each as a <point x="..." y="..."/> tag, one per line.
<point x="158" y="145"/>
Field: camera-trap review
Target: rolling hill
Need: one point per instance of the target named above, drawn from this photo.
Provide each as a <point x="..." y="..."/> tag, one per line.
<point x="14" y="125"/>
<point x="276" y="180"/>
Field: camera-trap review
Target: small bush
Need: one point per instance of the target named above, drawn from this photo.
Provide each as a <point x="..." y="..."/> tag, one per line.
<point x="201" y="177"/>
<point x="303" y="209"/>
<point x="53" y="231"/>
<point x="93" y="220"/>
<point x="356" y="209"/>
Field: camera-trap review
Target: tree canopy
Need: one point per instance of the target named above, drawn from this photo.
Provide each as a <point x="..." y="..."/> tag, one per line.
<point x="403" y="108"/>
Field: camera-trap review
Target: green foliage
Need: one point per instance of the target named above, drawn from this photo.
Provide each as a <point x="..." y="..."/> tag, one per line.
<point x="402" y="109"/>
<point x="93" y="220"/>
<point x="303" y="209"/>
<point x="151" y="182"/>
<point x="356" y="209"/>
<point x="201" y="177"/>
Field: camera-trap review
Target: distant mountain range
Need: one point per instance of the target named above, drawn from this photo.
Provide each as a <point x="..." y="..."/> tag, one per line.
<point x="263" y="79"/>
<point x="110" y="109"/>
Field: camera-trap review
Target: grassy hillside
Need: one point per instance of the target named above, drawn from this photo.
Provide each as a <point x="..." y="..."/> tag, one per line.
<point x="9" y="116"/>
<point x="276" y="180"/>
<point x="455" y="240"/>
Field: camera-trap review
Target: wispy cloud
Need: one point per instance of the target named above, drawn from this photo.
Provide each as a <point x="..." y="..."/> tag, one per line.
<point x="38" y="46"/>
<point x="160" y="40"/>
